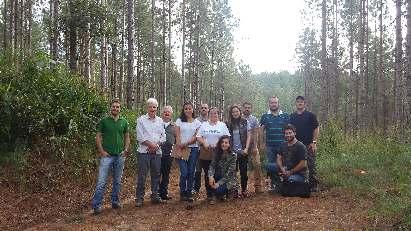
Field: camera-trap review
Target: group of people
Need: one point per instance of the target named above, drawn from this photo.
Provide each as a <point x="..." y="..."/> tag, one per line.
<point x="206" y="144"/>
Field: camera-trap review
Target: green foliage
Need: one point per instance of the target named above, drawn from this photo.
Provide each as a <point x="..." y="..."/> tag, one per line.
<point x="371" y="166"/>
<point x="46" y="107"/>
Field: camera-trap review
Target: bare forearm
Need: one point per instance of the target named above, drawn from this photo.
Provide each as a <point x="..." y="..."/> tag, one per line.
<point x="99" y="143"/>
<point x="316" y="133"/>
<point x="300" y="166"/>
<point x="127" y="141"/>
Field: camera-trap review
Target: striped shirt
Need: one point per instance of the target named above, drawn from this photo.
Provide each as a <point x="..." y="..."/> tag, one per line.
<point x="274" y="127"/>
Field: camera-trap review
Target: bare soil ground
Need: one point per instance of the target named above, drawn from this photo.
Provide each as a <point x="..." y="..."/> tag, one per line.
<point x="69" y="209"/>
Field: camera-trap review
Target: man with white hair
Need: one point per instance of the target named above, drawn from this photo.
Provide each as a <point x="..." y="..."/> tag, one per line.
<point x="150" y="136"/>
<point x="166" y="147"/>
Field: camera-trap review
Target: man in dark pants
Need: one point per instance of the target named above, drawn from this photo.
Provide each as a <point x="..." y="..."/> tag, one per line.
<point x="306" y="124"/>
<point x="197" y="177"/>
<point x="166" y="147"/>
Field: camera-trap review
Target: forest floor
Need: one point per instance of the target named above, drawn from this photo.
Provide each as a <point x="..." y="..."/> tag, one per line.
<point x="69" y="209"/>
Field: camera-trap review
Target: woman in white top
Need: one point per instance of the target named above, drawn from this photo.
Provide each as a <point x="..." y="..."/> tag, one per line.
<point x="187" y="149"/>
<point x="208" y="136"/>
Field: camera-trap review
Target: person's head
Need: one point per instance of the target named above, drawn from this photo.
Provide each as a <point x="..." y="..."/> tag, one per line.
<point x="289" y="132"/>
<point x="115" y="107"/>
<point x="223" y="145"/>
<point x="204" y="110"/>
<point x="152" y="106"/>
<point x="235" y="113"/>
<point x="187" y="112"/>
<point x="300" y="103"/>
<point x="247" y="108"/>
<point x="213" y="114"/>
<point x="167" y="113"/>
<point x="274" y="103"/>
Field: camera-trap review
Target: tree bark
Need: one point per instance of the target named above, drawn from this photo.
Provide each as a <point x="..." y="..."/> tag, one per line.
<point x="130" y="52"/>
<point x="408" y="53"/>
<point x="398" y="68"/>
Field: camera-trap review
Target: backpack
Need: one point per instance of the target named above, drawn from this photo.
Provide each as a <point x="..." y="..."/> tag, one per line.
<point x="295" y="189"/>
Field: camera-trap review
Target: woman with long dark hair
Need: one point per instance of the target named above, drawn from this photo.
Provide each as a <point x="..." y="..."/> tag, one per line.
<point x="240" y="138"/>
<point x="222" y="174"/>
<point x="208" y="136"/>
<point x="187" y="149"/>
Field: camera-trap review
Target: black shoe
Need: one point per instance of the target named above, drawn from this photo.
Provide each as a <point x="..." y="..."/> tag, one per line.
<point x="139" y="204"/>
<point x="116" y="206"/>
<point x="166" y="198"/>
<point x="157" y="200"/>
<point x="96" y="211"/>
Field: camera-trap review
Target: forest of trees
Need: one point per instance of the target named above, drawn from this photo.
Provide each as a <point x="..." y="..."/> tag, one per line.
<point x="355" y="58"/>
<point x="171" y="50"/>
<point x="355" y="64"/>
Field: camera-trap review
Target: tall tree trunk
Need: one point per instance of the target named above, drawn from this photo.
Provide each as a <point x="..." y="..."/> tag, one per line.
<point x="168" y="92"/>
<point x="104" y="62"/>
<point x="121" y="71"/>
<point x="153" y="82"/>
<point x="130" y="53"/>
<point x="54" y="9"/>
<point x="381" y="71"/>
<point x="72" y="38"/>
<point x="324" y="64"/>
<point x="183" y="28"/>
<point x="87" y="72"/>
<point x="11" y="25"/>
<point x="5" y="24"/>
<point x="408" y="53"/>
<point x="164" y="59"/>
<point x="398" y="74"/>
<point x="30" y="23"/>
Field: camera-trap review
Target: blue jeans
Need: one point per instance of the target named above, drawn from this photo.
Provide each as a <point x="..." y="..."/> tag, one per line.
<point x="271" y="153"/>
<point x="116" y="165"/>
<point x="274" y="170"/>
<point x="148" y="162"/>
<point x="221" y="190"/>
<point x="187" y="170"/>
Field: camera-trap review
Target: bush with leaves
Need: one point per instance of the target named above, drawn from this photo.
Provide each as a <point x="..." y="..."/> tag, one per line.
<point x="43" y="105"/>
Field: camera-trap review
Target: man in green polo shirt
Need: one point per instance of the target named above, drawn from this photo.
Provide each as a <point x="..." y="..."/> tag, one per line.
<point x="113" y="142"/>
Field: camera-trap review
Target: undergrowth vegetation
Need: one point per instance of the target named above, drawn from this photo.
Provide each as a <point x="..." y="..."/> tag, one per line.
<point x="371" y="166"/>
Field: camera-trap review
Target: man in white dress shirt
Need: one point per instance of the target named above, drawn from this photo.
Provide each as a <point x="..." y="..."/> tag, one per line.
<point x="150" y="135"/>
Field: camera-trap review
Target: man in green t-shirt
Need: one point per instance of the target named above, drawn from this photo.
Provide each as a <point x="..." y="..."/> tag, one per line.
<point x="113" y="143"/>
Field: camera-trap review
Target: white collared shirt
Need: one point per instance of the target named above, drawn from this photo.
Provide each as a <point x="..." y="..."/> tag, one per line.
<point x="150" y="130"/>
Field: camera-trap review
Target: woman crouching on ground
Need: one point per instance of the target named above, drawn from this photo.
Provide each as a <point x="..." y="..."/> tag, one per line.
<point x="222" y="172"/>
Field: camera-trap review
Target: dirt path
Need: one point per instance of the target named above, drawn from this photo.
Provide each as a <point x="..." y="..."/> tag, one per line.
<point x="328" y="210"/>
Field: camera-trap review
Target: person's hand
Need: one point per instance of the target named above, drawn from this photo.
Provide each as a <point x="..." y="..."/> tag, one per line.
<point x="216" y="186"/>
<point x="153" y="148"/>
<point x="287" y="173"/>
<point x="206" y="146"/>
<point x="125" y="152"/>
<point x="181" y="146"/>
<point x="245" y="151"/>
<point x="104" y="154"/>
<point x="211" y="181"/>
<point x="313" y="148"/>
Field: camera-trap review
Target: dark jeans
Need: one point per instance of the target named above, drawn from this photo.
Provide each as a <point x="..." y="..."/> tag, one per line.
<point x="203" y="165"/>
<point x="312" y="169"/>
<point x="166" y="162"/>
<point x="221" y="190"/>
<point x="148" y="162"/>
<point x="242" y="162"/>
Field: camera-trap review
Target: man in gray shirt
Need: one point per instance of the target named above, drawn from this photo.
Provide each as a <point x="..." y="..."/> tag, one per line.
<point x="255" y="155"/>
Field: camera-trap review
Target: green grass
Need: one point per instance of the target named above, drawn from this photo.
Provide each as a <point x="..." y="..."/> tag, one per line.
<point x="371" y="166"/>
